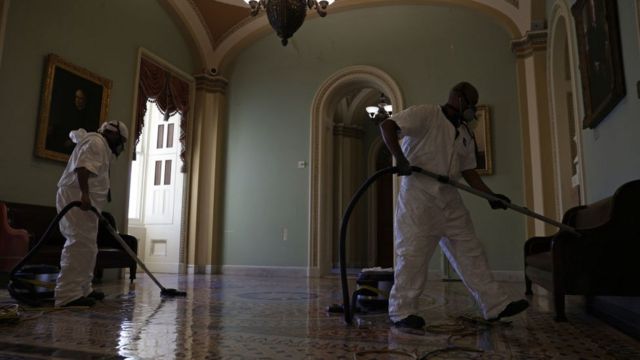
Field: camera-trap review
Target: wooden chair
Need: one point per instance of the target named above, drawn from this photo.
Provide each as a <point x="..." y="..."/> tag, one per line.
<point x="605" y="261"/>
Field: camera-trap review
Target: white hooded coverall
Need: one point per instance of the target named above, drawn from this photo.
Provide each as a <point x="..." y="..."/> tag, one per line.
<point x="429" y="212"/>
<point x="79" y="227"/>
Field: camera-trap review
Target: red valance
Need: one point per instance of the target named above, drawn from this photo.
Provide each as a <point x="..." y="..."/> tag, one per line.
<point x="170" y="93"/>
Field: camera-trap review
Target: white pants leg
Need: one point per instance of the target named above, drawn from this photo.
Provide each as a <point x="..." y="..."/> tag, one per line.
<point x="414" y="247"/>
<point x="466" y="255"/>
<point x="78" y="259"/>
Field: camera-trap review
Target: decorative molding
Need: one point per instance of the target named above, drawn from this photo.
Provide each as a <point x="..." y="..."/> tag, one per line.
<point x="203" y="269"/>
<point x="198" y="13"/>
<point x="236" y="28"/>
<point x="209" y="83"/>
<point x="498" y="275"/>
<point x="507" y="13"/>
<point x="265" y="271"/>
<point x="193" y="23"/>
<point x="533" y="41"/>
<point x="334" y="88"/>
<point x="352" y="131"/>
<point x="515" y="3"/>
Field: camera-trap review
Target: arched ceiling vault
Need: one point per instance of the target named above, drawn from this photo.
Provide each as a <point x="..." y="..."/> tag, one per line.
<point x="221" y="28"/>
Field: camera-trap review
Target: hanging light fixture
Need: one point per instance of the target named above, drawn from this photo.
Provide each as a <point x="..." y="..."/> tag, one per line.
<point x="286" y="16"/>
<point x="382" y="111"/>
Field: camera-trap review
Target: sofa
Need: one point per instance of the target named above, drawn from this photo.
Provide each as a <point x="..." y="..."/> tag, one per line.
<point x="604" y="261"/>
<point x="25" y="224"/>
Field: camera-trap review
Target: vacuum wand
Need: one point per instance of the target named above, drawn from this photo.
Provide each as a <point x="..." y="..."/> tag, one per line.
<point x="520" y="209"/>
<point x="163" y="291"/>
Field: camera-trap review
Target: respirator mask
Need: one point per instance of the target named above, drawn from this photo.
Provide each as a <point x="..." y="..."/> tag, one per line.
<point x="469" y="112"/>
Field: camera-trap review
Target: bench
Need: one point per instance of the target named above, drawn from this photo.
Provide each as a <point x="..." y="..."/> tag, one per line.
<point x="604" y="261"/>
<point x="33" y="221"/>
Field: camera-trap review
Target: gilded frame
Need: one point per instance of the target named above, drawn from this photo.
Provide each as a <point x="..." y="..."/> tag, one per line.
<point x="600" y="57"/>
<point x="481" y="128"/>
<point x="72" y="97"/>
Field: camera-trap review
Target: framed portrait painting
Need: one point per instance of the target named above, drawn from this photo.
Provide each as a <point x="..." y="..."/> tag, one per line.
<point x="481" y="128"/>
<point x="72" y="98"/>
<point x="600" y="57"/>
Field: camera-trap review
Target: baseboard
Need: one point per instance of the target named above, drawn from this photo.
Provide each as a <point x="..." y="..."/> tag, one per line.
<point x="203" y="269"/>
<point x="298" y="271"/>
<point x="502" y="276"/>
<point x="613" y="310"/>
<point x="266" y="271"/>
<point x="509" y="276"/>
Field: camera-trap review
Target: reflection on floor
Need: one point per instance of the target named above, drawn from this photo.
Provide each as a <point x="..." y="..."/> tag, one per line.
<point x="240" y="317"/>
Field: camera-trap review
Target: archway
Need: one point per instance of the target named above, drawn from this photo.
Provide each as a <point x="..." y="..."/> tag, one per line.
<point x="324" y="106"/>
<point x="564" y="114"/>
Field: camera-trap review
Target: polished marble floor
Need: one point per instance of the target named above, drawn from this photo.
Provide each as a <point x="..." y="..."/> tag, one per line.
<point x="242" y="317"/>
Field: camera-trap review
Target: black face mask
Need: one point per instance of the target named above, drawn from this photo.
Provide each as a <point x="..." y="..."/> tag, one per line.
<point x="116" y="148"/>
<point x="469" y="113"/>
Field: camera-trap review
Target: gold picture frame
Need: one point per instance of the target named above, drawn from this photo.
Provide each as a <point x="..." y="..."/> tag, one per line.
<point x="600" y="58"/>
<point x="481" y="128"/>
<point x="72" y="97"/>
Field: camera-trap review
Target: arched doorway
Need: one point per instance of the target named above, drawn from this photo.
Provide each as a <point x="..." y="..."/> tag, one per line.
<point x="325" y="145"/>
<point x="564" y="113"/>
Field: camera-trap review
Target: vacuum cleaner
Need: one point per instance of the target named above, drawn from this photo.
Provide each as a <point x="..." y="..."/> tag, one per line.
<point x="349" y="304"/>
<point x="34" y="284"/>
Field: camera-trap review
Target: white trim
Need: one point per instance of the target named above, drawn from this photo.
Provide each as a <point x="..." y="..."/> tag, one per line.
<point x="535" y="143"/>
<point x="561" y="16"/>
<point x="192" y="21"/>
<point x="202" y="269"/>
<point x="142" y="52"/>
<point x="265" y="271"/>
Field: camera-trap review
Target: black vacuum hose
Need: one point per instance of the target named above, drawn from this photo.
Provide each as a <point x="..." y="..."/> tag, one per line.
<point x="346" y="303"/>
<point x="44" y="237"/>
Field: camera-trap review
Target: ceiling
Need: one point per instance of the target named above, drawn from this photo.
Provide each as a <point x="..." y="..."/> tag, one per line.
<point x="220" y="16"/>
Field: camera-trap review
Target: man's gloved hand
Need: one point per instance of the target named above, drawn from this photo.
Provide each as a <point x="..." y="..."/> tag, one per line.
<point x="404" y="168"/>
<point x="496" y="204"/>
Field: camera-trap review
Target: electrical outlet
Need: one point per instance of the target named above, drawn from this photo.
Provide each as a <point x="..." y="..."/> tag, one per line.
<point x="285" y="234"/>
<point x="302" y="164"/>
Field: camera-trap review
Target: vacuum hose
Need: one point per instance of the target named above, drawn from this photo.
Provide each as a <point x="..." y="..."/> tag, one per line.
<point x="346" y="307"/>
<point x="163" y="291"/>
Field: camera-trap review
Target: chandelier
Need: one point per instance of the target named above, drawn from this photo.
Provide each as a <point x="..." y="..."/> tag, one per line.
<point x="382" y="111"/>
<point x="286" y="16"/>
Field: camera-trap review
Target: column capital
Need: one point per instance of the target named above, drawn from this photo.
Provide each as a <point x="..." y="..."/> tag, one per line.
<point x="531" y="42"/>
<point x="210" y="83"/>
<point x="348" y="130"/>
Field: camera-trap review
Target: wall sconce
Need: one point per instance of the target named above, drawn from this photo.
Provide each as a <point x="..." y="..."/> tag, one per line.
<point x="382" y="111"/>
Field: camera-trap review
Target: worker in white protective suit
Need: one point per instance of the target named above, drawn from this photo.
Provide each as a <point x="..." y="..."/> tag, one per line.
<point x="85" y="179"/>
<point x="429" y="212"/>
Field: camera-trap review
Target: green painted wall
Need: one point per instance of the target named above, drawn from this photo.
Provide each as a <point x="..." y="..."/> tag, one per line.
<point x="102" y="36"/>
<point x="426" y="49"/>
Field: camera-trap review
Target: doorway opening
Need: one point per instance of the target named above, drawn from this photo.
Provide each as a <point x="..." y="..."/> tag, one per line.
<point x="156" y="198"/>
<point x="358" y="152"/>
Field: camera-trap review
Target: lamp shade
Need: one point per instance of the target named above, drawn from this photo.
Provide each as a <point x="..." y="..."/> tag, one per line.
<point x="372" y="111"/>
